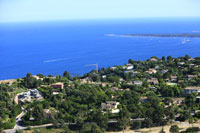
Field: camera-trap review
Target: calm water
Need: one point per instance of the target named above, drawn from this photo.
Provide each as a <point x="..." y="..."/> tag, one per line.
<point x="53" y="47"/>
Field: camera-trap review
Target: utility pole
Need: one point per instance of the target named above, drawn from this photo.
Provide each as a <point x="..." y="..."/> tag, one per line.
<point x="97" y="67"/>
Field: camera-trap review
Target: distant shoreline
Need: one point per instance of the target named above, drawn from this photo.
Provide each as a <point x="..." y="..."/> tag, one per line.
<point x="191" y="35"/>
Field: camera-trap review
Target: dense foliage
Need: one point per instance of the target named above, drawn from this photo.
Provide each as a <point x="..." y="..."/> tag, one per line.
<point x="146" y="94"/>
<point x="8" y="108"/>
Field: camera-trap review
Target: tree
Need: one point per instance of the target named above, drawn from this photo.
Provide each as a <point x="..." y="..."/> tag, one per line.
<point x="163" y="58"/>
<point x="91" y="128"/>
<point x="95" y="128"/>
<point x="59" y="123"/>
<point x="187" y="57"/>
<point x="38" y="112"/>
<point x="174" y="129"/>
<point x="153" y="109"/>
<point x="136" y="125"/>
<point x="66" y="129"/>
<point x="149" y="123"/>
<point x="124" y="118"/>
<point x="66" y="74"/>
<point x="162" y="130"/>
<point x="101" y="119"/>
<point x="170" y="113"/>
<point x="191" y="120"/>
<point x="79" y="123"/>
<point x="190" y="100"/>
<point x="192" y="130"/>
<point x="30" y="81"/>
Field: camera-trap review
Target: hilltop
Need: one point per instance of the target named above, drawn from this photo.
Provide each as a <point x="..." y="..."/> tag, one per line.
<point x="139" y="94"/>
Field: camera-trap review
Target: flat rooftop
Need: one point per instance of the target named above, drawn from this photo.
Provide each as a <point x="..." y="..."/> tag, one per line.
<point x="192" y="88"/>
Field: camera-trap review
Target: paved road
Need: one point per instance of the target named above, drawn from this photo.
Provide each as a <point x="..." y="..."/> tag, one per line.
<point x="18" y="125"/>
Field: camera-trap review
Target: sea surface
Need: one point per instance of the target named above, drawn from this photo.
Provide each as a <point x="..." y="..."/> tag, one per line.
<point x="53" y="47"/>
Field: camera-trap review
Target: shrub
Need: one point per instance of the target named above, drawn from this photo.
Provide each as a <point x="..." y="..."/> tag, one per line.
<point x="136" y="125"/>
<point x="174" y="129"/>
<point x="193" y="129"/>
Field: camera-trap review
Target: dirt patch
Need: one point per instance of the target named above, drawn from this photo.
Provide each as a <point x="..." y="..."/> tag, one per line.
<point x="8" y="81"/>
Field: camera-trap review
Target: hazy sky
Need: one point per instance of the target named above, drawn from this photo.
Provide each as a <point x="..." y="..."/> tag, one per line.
<point x="42" y="10"/>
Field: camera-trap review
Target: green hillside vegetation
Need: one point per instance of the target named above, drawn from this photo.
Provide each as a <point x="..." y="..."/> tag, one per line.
<point x="147" y="93"/>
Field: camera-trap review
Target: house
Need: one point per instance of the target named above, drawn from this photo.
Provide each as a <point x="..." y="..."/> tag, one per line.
<point x="58" y="85"/>
<point x="130" y="83"/>
<point x="153" y="59"/>
<point x="30" y="95"/>
<point x="198" y="99"/>
<point x="121" y="79"/>
<point x="173" y="78"/>
<point x="47" y="113"/>
<point x="135" y="73"/>
<point x="143" y="99"/>
<point x="56" y="93"/>
<point x="128" y="71"/>
<point x="177" y="101"/>
<point x="191" y="77"/>
<point x="104" y="76"/>
<point x="180" y="81"/>
<point x="31" y="118"/>
<point x="115" y="89"/>
<point x="110" y="106"/>
<point x="192" y="65"/>
<point x="167" y="80"/>
<point x="151" y="71"/>
<point x="153" y="81"/>
<point x="138" y="83"/>
<point x="37" y="77"/>
<point x="113" y="68"/>
<point x="164" y="71"/>
<point x="191" y="59"/>
<point x="171" y="84"/>
<point x="35" y="93"/>
<point x="181" y="63"/>
<point x="190" y="90"/>
<point x="115" y="97"/>
<point x="128" y="67"/>
<point x="174" y="101"/>
<point x="157" y="67"/>
<point x="127" y="89"/>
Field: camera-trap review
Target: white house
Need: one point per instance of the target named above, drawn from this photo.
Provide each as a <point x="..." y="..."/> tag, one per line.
<point x="190" y="90"/>
<point x="138" y="83"/>
<point x="128" y="67"/>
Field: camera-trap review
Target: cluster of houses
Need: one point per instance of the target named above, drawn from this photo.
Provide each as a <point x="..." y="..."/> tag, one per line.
<point x="171" y="81"/>
<point x="112" y="106"/>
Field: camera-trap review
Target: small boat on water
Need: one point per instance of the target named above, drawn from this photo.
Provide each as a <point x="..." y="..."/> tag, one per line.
<point x="185" y="41"/>
<point x="188" y="40"/>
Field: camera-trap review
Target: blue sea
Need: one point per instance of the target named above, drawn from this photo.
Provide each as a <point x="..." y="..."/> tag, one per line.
<point x="56" y="46"/>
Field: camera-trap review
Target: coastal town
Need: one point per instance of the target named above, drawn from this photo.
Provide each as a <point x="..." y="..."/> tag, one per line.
<point x="139" y="95"/>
